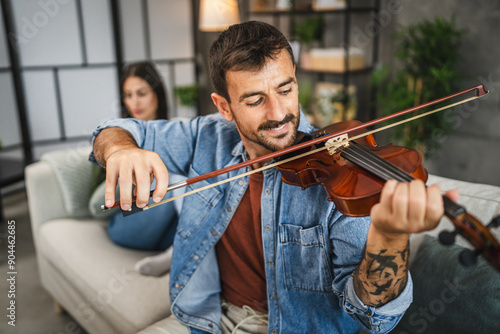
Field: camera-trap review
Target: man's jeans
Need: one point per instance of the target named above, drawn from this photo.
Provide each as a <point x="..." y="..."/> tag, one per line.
<point x="245" y="319"/>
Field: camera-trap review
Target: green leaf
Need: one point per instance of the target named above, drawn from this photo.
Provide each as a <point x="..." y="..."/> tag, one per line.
<point x="427" y="54"/>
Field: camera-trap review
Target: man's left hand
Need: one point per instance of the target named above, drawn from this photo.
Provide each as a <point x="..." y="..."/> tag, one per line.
<point x="406" y="208"/>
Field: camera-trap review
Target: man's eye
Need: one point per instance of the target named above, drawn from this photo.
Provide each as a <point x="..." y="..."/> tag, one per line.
<point x="255" y="103"/>
<point x="285" y="92"/>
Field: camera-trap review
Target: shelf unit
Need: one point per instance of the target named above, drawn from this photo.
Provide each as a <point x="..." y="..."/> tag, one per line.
<point x="346" y="13"/>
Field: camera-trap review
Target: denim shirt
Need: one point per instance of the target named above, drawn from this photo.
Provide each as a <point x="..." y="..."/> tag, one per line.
<point x="311" y="250"/>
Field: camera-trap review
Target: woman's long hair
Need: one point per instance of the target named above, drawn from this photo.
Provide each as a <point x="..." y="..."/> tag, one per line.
<point x="146" y="71"/>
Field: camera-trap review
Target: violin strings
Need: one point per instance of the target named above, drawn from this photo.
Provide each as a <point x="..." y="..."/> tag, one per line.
<point x="380" y="172"/>
<point x="389" y="170"/>
<point x="375" y="164"/>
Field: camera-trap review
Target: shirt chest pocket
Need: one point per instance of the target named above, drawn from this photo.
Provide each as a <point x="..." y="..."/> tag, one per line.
<point x="197" y="207"/>
<point x="306" y="264"/>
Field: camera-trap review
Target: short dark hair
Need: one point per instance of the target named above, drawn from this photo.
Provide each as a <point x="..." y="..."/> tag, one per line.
<point x="244" y="46"/>
<point x="146" y="71"/>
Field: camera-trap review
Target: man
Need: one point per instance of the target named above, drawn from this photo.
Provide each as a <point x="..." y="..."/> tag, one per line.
<point x="256" y="254"/>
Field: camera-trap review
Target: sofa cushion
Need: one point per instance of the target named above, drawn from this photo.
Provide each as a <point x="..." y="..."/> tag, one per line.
<point x="74" y="173"/>
<point x="481" y="200"/>
<point x="104" y="274"/>
<point x="450" y="298"/>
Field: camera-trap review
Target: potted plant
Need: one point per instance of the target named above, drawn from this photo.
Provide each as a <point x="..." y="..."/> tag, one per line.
<point x="187" y="95"/>
<point x="427" y="54"/>
<point x="308" y="33"/>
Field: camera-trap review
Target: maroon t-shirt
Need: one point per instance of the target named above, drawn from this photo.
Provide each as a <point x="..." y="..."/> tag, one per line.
<point x="241" y="255"/>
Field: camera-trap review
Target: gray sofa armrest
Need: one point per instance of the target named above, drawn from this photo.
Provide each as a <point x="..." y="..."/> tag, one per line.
<point x="45" y="199"/>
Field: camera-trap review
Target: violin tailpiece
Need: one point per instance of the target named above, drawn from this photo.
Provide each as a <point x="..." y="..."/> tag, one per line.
<point x="336" y="143"/>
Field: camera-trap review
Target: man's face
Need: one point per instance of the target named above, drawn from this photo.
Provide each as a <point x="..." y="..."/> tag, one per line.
<point x="264" y="105"/>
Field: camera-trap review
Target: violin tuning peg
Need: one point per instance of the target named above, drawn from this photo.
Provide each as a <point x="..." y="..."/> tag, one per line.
<point x="447" y="238"/>
<point x="468" y="257"/>
<point x="495" y="222"/>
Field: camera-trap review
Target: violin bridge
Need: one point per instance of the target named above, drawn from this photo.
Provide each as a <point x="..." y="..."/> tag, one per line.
<point x="336" y="143"/>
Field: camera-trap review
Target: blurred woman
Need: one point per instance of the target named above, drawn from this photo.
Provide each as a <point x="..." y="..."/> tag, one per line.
<point x="143" y="92"/>
<point x="143" y="98"/>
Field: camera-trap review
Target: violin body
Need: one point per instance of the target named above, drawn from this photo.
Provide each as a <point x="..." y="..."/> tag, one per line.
<point x="354" y="171"/>
<point x="354" y="190"/>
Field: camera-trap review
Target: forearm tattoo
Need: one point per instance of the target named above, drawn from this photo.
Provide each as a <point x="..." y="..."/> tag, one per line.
<point x="381" y="276"/>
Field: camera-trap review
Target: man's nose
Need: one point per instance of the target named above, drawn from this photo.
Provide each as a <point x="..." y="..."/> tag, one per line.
<point x="276" y="111"/>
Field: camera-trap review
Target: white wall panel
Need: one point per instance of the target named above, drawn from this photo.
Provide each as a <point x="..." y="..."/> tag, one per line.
<point x="88" y="96"/>
<point x="164" y="71"/>
<point x="10" y="132"/>
<point x="41" y="105"/>
<point x="4" y="56"/>
<point x="184" y="76"/>
<point x="132" y="26"/>
<point x="170" y="28"/>
<point x="98" y="31"/>
<point x="47" y="32"/>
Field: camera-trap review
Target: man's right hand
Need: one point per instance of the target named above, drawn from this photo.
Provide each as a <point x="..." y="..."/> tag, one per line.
<point x="127" y="164"/>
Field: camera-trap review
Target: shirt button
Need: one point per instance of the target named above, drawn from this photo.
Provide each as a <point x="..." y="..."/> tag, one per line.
<point x="228" y="209"/>
<point x="268" y="191"/>
<point x="214" y="233"/>
<point x="196" y="258"/>
<point x="177" y="285"/>
<point x="268" y="227"/>
<point x="241" y="183"/>
<point x="274" y="331"/>
<point x="180" y="314"/>
<point x="210" y="325"/>
<point x="271" y="296"/>
<point x="269" y="261"/>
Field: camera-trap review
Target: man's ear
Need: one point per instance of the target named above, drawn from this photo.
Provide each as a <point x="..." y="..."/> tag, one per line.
<point x="223" y="106"/>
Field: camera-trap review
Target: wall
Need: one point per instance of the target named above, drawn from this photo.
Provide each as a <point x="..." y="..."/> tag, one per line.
<point x="472" y="152"/>
<point x="51" y="35"/>
<point x="66" y="50"/>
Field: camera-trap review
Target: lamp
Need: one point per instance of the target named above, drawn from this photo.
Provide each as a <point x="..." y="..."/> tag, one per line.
<point x="217" y="15"/>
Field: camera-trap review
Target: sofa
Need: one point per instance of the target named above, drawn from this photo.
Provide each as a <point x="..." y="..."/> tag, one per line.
<point x="88" y="275"/>
<point x="94" y="279"/>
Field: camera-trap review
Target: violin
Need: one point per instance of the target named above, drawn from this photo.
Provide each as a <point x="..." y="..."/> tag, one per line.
<point x="353" y="176"/>
<point x="345" y="159"/>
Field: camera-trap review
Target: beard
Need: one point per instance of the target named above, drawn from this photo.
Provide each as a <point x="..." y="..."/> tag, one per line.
<point x="270" y="143"/>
